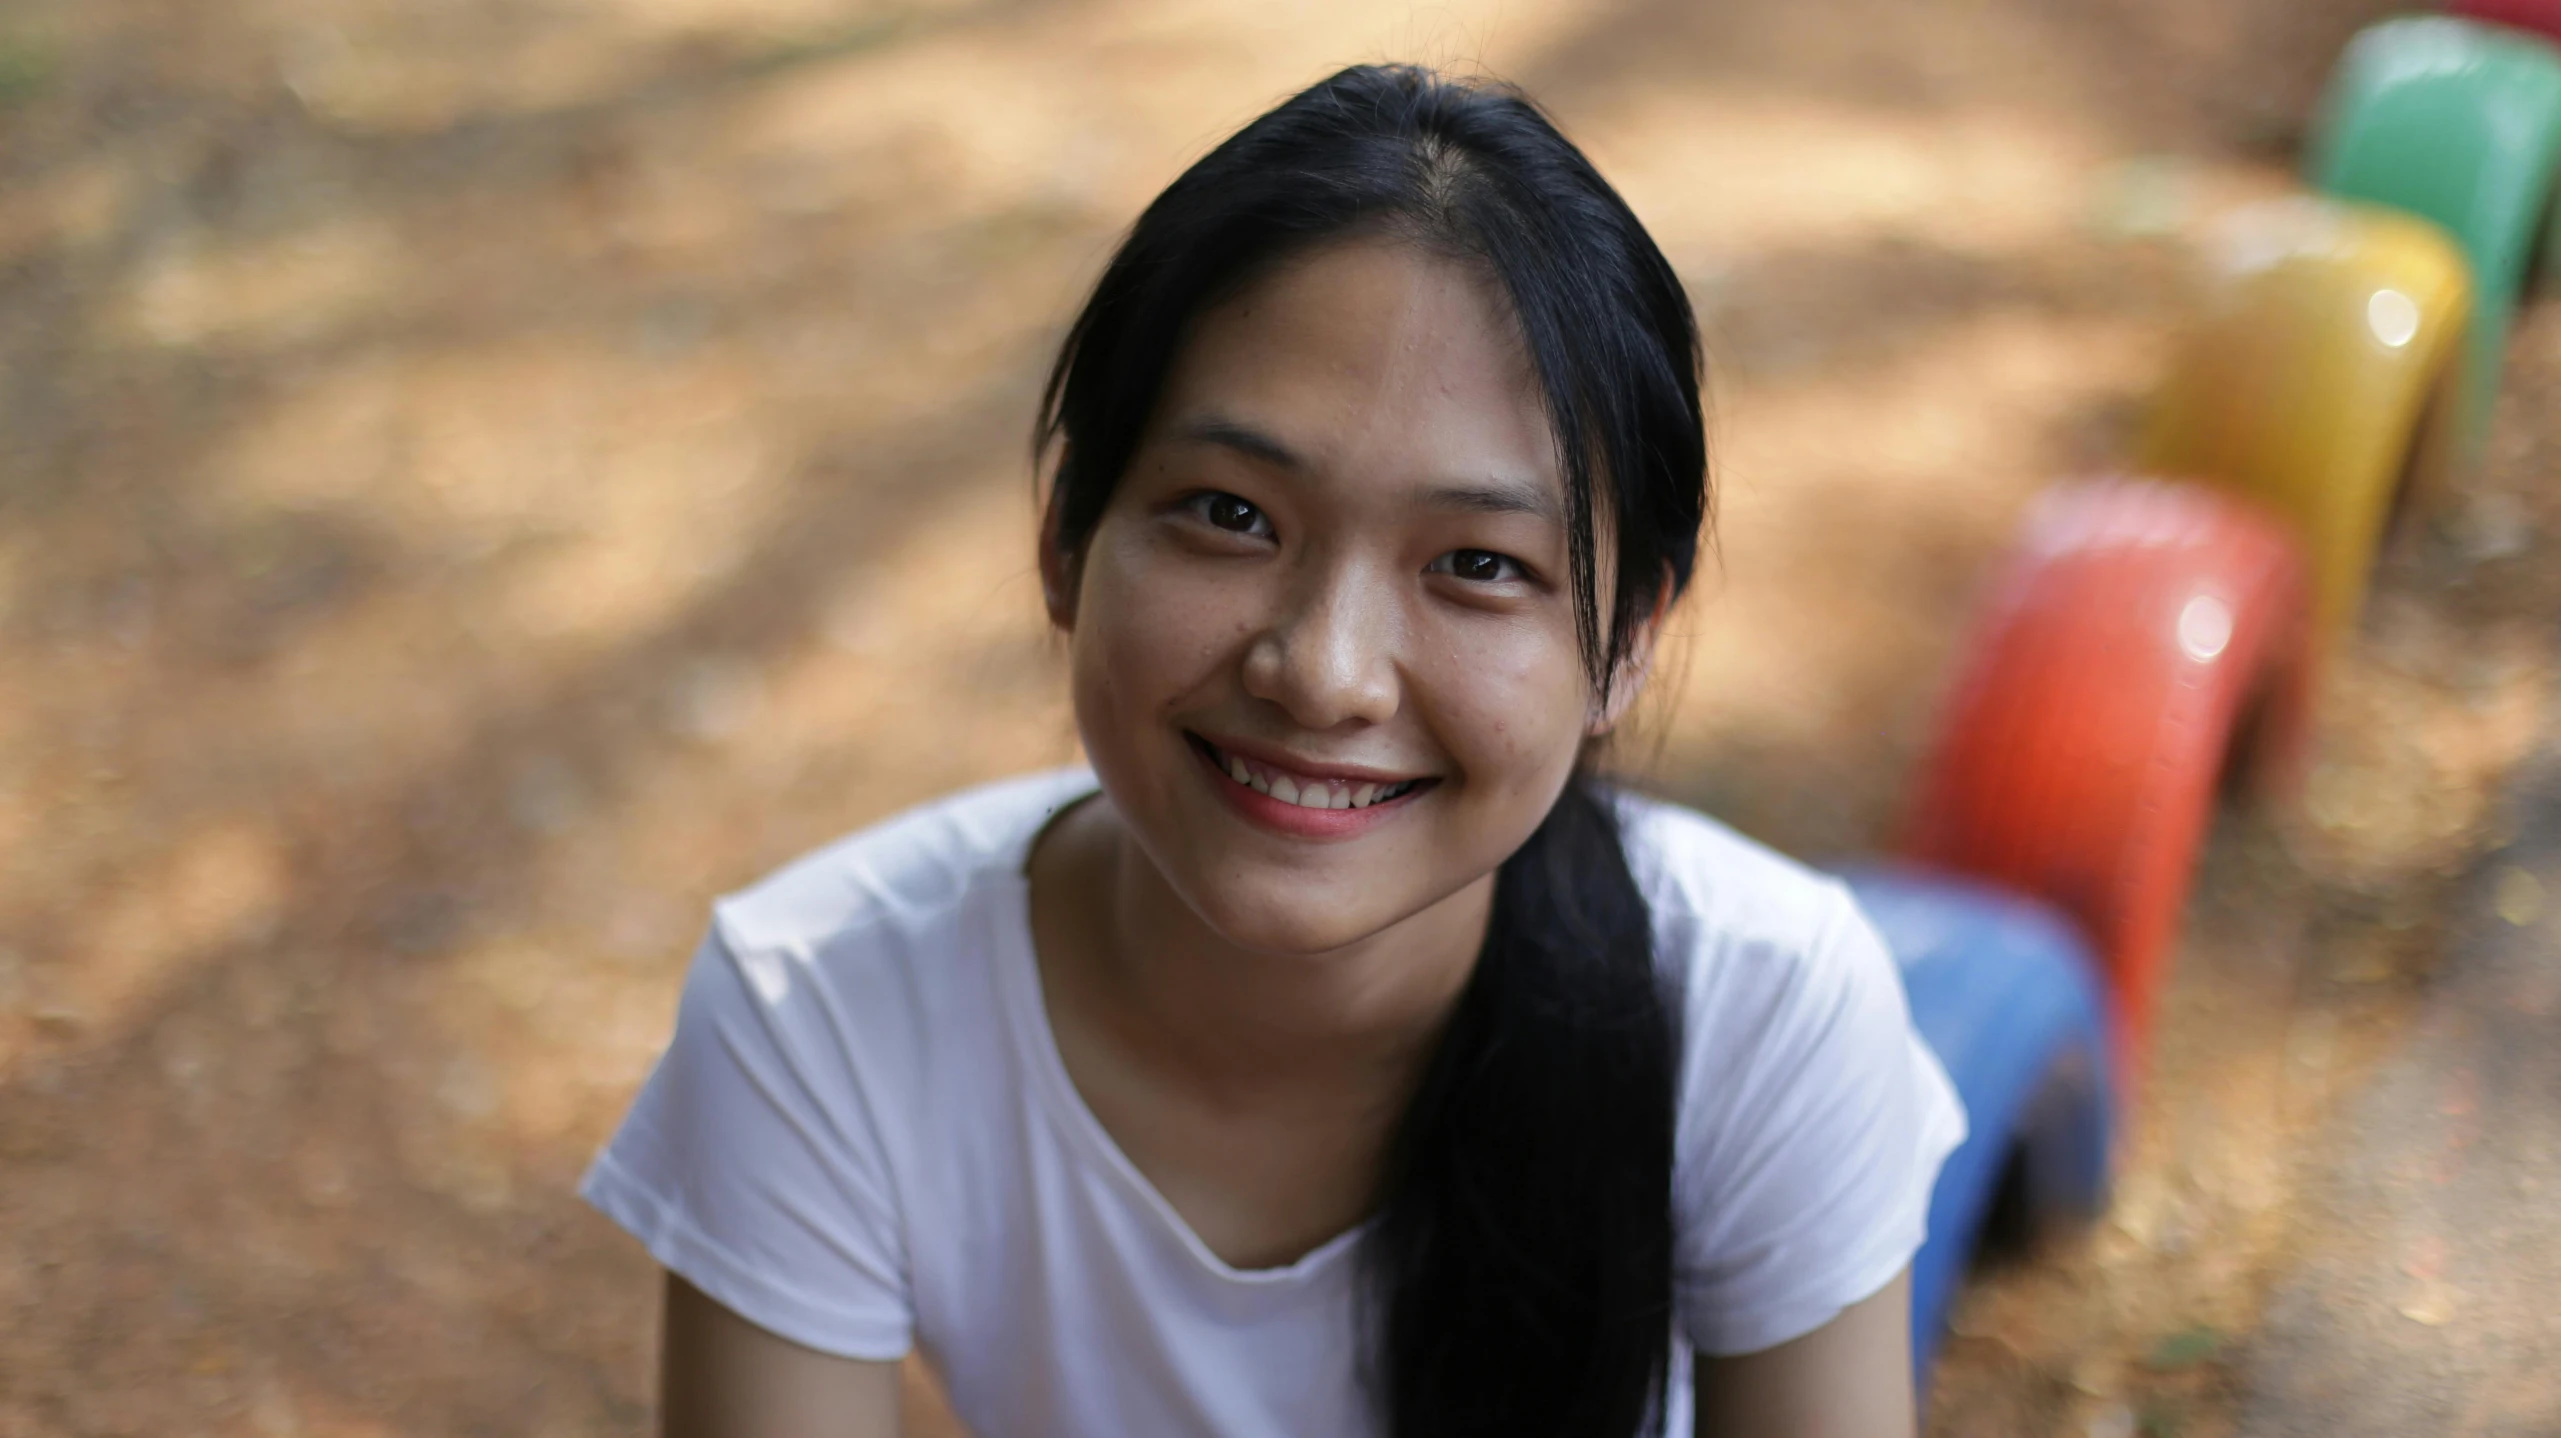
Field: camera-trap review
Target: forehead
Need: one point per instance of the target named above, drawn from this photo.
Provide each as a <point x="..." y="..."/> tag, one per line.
<point x="1372" y="360"/>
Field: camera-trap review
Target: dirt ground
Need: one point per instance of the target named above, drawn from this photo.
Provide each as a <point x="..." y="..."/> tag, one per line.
<point x="478" y="479"/>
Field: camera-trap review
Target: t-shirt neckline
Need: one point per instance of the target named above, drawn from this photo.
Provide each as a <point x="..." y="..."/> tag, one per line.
<point x="1027" y="1012"/>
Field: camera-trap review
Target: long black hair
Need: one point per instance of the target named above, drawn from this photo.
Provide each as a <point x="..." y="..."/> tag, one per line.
<point x="1520" y="1267"/>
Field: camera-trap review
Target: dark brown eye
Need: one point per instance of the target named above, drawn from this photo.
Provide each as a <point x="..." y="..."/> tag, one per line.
<point x="1479" y="566"/>
<point x="1226" y="511"/>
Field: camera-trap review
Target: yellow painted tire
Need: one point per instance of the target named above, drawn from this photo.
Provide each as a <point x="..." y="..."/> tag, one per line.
<point x="2322" y="377"/>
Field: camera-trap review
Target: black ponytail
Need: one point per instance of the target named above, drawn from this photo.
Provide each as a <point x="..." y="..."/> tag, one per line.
<point x="1521" y="1263"/>
<point x="1523" y="1255"/>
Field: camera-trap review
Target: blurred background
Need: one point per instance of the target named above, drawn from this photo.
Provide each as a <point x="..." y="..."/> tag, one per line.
<point x="479" y="479"/>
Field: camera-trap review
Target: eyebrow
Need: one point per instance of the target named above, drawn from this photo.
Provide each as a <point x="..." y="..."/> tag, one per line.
<point x="1492" y="497"/>
<point x="1498" y="497"/>
<point x="1242" y="438"/>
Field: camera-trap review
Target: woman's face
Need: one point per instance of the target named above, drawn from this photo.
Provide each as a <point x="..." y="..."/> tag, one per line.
<point x="1337" y="568"/>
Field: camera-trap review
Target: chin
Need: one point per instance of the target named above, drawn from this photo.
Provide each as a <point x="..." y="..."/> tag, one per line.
<point x="1285" y="915"/>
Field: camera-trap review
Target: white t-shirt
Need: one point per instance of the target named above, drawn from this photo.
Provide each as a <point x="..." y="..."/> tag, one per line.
<point x="862" y="1139"/>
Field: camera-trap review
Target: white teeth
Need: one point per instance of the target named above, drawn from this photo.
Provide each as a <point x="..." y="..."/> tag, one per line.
<point x="1311" y="793"/>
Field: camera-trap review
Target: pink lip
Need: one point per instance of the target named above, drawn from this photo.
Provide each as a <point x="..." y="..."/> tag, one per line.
<point x="1297" y="822"/>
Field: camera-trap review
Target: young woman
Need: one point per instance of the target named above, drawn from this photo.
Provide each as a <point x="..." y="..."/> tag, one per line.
<point x="1337" y="1055"/>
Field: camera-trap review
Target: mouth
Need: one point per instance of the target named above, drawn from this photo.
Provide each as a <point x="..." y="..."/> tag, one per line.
<point x="1319" y="793"/>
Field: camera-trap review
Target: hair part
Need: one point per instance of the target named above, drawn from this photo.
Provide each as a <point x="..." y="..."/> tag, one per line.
<point x="1519" y="1273"/>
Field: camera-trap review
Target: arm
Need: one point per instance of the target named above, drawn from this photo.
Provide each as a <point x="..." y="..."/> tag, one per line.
<point x="720" y="1376"/>
<point x="1850" y="1378"/>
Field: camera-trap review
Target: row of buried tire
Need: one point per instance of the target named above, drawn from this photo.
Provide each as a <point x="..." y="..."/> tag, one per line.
<point x="2157" y="636"/>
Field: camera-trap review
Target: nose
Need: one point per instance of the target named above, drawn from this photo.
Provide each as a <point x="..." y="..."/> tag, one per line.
<point x="1328" y="657"/>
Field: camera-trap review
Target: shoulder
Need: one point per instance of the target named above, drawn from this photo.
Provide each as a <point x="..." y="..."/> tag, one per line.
<point x="1812" y="1119"/>
<point x="904" y="872"/>
<point x="1718" y="896"/>
<point x="1790" y="1003"/>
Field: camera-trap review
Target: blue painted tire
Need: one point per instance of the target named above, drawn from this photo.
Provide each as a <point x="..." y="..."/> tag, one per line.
<point x="2005" y="991"/>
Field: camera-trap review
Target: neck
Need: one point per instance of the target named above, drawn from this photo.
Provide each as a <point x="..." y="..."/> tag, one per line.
<point x="1256" y="1028"/>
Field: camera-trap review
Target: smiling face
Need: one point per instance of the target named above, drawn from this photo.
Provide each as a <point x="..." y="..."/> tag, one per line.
<point x="1323" y="638"/>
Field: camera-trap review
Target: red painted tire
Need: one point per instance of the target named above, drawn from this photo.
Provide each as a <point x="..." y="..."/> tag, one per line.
<point x="2543" y="17"/>
<point x="2149" y="640"/>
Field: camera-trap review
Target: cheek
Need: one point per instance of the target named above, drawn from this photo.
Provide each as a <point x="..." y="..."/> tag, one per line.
<point x="1149" y="631"/>
<point x="1511" y="704"/>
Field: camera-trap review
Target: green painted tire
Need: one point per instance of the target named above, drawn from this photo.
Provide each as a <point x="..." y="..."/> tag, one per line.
<point x="2460" y="122"/>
